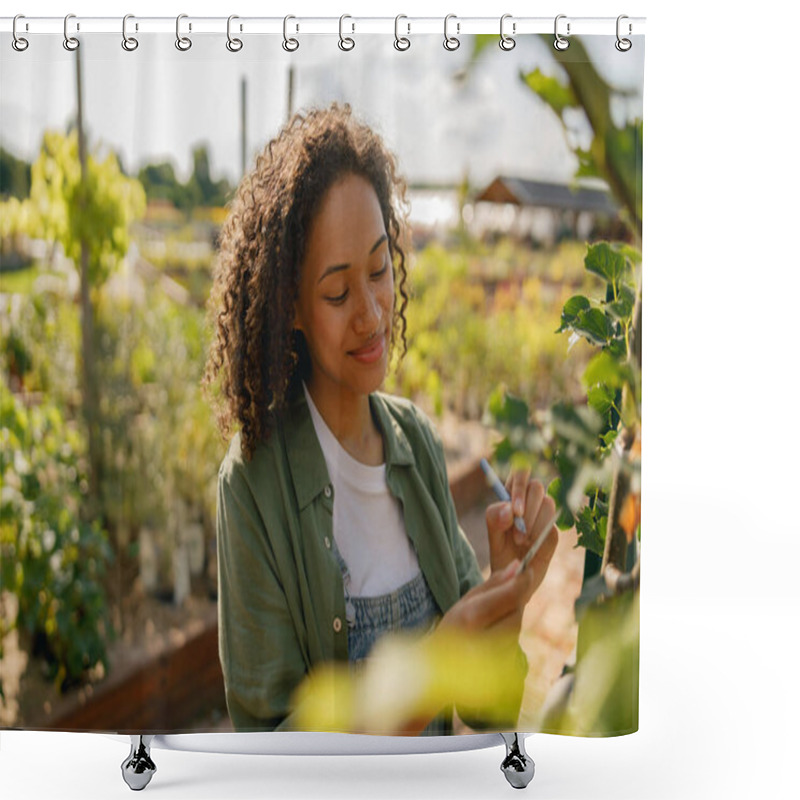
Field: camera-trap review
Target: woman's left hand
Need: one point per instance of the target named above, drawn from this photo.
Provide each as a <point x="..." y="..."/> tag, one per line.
<point x="530" y="502"/>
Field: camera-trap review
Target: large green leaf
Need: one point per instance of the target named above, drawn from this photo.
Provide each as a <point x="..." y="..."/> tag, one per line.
<point x="571" y="309"/>
<point x="604" y="368"/>
<point x="603" y="260"/>
<point x="600" y="398"/>
<point x="594" y="326"/>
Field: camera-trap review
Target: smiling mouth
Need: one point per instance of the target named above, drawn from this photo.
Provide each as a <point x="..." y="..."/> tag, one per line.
<point x="371" y="351"/>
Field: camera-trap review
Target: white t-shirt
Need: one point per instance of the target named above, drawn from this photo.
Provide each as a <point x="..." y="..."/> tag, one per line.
<point x="368" y="523"/>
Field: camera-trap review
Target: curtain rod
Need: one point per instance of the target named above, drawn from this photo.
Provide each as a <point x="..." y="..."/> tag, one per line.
<point x="406" y="25"/>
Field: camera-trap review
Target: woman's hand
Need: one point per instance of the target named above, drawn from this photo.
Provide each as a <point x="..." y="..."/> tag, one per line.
<point x="506" y="544"/>
<point x="496" y="604"/>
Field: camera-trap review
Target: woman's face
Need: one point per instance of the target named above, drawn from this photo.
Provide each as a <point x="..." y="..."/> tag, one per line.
<point x="346" y="293"/>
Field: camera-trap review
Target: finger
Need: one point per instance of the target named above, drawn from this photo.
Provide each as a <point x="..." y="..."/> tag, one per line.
<point x="518" y="490"/>
<point x="545" y="509"/>
<point x="535" y="494"/>
<point x="495" y="602"/>
<point x="499" y="520"/>
<point x="537" y="569"/>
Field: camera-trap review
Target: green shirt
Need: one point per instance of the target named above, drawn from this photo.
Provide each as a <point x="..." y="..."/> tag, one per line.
<point x="281" y="597"/>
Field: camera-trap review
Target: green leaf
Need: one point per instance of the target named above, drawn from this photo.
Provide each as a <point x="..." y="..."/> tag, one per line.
<point x="603" y="260"/>
<point x="504" y="451"/>
<point x="557" y="492"/>
<point x="556" y="94"/>
<point x="594" y="326"/>
<point x="506" y="409"/>
<point x="600" y="398"/>
<point x="591" y="533"/>
<point x="571" y="309"/>
<point x="622" y="307"/>
<point x="604" y="368"/>
<point x="579" y="426"/>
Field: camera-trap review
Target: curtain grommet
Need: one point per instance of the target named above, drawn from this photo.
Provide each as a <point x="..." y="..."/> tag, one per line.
<point x="623" y="45"/>
<point x="233" y="44"/>
<point x="71" y="43"/>
<point x="451" y="43"/>
<point x="346" y="43"/>
<point x="19" y="43"/>
<point x="289" y="44"/>
<point x="401" y="43"/>
<point x="129" y="43"/>
<point x="183" y="43"/>
<point x="507" y="43"/>
<point x="560" y="43"/>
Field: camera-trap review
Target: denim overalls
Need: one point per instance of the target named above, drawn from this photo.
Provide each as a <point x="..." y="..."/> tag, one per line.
<point x="408" y="608"/>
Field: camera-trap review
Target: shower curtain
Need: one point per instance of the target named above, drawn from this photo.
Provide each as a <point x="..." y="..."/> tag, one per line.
<point x="148" y="583"/>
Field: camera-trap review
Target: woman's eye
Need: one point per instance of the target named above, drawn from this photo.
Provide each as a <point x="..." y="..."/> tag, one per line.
<point x="338" y="299"/>
<point x="381" y="272"/>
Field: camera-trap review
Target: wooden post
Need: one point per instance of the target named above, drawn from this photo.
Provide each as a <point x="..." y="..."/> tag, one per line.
<point x="91" y="403"/>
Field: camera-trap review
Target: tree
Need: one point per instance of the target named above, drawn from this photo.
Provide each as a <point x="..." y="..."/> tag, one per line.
<point x="88" y="211"/>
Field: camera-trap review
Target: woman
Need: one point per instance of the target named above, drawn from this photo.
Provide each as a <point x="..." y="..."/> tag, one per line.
<point x="335" y="520"/>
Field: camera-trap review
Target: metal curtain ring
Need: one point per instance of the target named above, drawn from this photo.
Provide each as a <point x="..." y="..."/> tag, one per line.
<point x="129" y="43"/>
<point x="289" y="44"/>
<point x="345" y="42"/>
<point x="560" y="43"/>
<point x="623" y="45"/>
<point x="507" y="42"/>
<point x="401" y="42"/>
<point x="70" y="42"/>
<point x="234" y="45"/>
<point x="451" y="42"/>
<point x="183" y="43"/>
<point x="19" y="43"/>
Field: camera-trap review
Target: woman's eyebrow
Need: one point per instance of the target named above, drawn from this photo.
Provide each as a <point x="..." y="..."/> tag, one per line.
<point x="339" y="267"/>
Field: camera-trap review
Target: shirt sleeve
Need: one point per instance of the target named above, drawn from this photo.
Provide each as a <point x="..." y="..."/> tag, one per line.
<point x="260" y="656"/>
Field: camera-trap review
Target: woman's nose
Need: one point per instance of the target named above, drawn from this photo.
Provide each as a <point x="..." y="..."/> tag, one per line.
<point x="368" y="311"/>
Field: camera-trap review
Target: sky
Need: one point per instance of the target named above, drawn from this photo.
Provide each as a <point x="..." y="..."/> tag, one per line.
<point x="442" y="113"/>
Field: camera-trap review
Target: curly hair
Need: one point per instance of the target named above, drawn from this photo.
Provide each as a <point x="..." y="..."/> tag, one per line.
<point x="257" y="357"/>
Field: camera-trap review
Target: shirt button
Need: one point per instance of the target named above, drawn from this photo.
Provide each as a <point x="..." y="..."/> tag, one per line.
<point x="328" y="491"/>
<point x="337" y="624"/>
<point x="327" y="543"/>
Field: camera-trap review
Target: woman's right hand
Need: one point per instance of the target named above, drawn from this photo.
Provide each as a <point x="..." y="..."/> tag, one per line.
<point x="497" y="604"/>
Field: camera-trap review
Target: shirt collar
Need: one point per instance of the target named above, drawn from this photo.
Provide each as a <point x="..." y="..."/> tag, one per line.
<point x="303" y="451"/>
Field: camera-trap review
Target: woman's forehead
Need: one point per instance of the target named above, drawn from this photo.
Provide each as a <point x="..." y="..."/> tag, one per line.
<point x="347" y="224"/>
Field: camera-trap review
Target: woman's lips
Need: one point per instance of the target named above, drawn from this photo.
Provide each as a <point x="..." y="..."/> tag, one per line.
<point x="371" y="352"/>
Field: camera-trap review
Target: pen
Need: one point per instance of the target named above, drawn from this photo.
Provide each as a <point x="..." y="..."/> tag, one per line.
<point x="537" y="544"/>
<point x="501" y="492"/>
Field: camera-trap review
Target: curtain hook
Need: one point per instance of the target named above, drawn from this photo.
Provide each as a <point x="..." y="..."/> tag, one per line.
<point x="507" y="42"/>
<point x="289" y="44"/>
<point x="233" y="45"/>
<point x="183" y="43"/>
<point x="345" y="42"/>
<point x="401" y="42"/>
<point x="70" y="42"/>
<point x="451" y="42"/>
<point x="129" y="43"/>
<point x="560" y="42"/>
<point x="623" y="45"/>
<point x="19" y="43"/>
